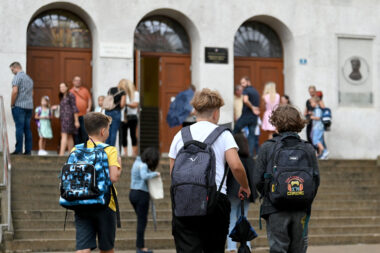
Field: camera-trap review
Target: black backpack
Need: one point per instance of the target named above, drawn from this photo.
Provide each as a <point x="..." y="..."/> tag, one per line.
<point x="193" y="188"/>
<point x="290" y="179"/>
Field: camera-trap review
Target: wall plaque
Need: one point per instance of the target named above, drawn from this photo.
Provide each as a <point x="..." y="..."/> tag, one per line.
<point x="116" y="50"/>
<point x="216" y="55"/>
<point x="355" y="71"/>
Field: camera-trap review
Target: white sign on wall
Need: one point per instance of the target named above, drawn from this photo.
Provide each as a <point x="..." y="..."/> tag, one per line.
<point x="116" y="50"/>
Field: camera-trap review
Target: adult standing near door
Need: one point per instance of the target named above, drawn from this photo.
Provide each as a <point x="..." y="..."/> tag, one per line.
<point x="130" y="120"/>
<point x="119" y="101"/>
<point x="22" y="107"/>
<point x="83" y="102"/>
<point x="309" y="111"/>
<point x="272" y="100"/>
<point x="251" y="103"/>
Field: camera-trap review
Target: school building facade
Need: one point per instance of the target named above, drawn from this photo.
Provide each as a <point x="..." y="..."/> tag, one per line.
<point x="165" y="45"/>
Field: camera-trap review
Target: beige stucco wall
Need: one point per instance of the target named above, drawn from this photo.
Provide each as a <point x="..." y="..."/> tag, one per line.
<point x="308" y="29"/>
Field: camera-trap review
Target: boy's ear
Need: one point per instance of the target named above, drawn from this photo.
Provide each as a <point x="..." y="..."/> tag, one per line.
<point x="102" y="131"/>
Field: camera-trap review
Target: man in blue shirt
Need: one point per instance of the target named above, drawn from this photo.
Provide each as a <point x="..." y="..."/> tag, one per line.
<point x="251" y="104"/>
<point x="22" y="107"/>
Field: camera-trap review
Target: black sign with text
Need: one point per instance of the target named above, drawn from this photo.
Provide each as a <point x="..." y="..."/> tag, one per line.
<point x="216" y="55"/>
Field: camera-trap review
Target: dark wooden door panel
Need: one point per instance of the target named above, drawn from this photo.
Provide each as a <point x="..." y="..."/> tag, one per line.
<point x="260" y="71"/>
<point x="175" y="77"/>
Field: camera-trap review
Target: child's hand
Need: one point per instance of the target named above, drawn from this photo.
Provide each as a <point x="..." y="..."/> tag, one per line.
<point x="158" y="174"/>
<point x="54" y="107"/>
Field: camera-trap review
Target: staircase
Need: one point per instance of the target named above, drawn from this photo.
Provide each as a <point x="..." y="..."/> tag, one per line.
<point x="346" y="211"/>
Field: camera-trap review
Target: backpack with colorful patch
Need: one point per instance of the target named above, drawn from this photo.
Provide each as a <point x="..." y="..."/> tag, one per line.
<point x="290" y="177"/>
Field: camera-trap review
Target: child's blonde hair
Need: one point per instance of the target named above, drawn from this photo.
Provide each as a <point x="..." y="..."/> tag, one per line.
<point x="270" y="88"/>
<point x="47" y="99"/>
<point x="206" y="101"/>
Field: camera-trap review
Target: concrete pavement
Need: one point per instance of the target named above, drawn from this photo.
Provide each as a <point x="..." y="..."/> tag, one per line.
<point x="360" y="248"/>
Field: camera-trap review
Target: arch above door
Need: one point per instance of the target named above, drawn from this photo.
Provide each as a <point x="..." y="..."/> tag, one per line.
<point x="163" y="71"/>
<point x="258" y="54"/>
<point x="59" y="48"/>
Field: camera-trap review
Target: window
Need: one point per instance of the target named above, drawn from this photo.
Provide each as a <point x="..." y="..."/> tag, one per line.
<point x="254" y="39"/>
<point x="161" y="34"/>
<point x="58" y="28"/>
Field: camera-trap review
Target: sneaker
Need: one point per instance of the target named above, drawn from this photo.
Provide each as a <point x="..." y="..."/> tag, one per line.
<point x="324" y="155"/>
<point x="144" y="251"/>
<point x="16" y="153"/>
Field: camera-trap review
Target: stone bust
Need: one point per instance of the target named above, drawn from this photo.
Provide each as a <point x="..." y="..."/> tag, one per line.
<point x="355" y="74"/>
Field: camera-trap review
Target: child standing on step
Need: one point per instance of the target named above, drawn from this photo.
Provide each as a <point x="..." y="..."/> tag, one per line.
<point x="99" y="222"/>
<point x="143" y="169"/>
<point x="318" y="128"/>
<point x="43" y="117"/>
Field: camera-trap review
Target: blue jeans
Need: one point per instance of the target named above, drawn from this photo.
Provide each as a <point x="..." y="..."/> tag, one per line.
<point x="257" y="144"/>
<point x="234" y="215"/>
<point x="251" y="123"/>
<point x="116" y="119"/>
<point x="22" y="119"/>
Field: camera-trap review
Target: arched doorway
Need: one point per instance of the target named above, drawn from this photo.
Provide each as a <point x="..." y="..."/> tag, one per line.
<point x="259" y="55"/>
<point x="59" y="48"/>
<point x="162" y="71"/>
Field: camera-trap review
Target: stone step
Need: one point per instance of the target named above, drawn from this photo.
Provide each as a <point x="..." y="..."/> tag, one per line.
<point x="44" y="194"/>
<point x="128" y="222"/>
<point x="166" y="204"/>
<point x="167" y="213"/>
<point x="168" y="242"/>
<point x="69" y="233"/>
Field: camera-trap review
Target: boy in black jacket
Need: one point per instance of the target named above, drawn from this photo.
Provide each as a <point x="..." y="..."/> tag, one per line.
<point x="286" y="225"/>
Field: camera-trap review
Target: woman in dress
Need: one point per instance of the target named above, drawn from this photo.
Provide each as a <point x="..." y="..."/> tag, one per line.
<point x="130" y="117"/>
<point x="272" y="100"/>
<point x="118" y="94"/>
<point x="68" y="113"/>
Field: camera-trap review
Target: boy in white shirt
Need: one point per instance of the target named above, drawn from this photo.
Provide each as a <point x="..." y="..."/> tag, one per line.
<point x="209" y="233"/>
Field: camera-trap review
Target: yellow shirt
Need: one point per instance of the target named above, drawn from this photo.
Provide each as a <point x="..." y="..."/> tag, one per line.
<point x="112" y="161"/>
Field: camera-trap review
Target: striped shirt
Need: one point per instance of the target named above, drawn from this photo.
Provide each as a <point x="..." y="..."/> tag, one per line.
<point x="25" y="90"/>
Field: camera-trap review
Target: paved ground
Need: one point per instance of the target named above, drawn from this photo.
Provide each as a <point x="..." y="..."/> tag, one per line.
<point x="361" y="248"/>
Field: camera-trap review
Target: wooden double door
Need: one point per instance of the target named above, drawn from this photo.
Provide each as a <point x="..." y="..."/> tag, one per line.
<point x="48" y="67"/>
<point x="260" y="71"/>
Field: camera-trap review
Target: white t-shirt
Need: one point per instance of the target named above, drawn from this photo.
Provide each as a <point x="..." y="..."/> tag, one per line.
<point x="200" y="131"/>
<point x="133" y="111"/>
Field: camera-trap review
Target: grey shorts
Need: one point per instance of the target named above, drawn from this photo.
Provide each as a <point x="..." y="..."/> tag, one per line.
<point x="89" y="224"/>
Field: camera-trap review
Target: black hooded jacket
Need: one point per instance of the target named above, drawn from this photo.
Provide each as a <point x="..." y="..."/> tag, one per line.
<point x="265" y="156"/>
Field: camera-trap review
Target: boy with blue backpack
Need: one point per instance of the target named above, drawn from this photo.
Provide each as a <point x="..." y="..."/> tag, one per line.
<point x="87" y="186"/>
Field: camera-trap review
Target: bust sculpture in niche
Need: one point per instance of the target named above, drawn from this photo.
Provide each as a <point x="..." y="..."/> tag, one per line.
<point x="355" y="74"/>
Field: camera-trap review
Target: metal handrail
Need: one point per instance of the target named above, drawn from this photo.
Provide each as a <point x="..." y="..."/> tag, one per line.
<point x="7" y="224"/>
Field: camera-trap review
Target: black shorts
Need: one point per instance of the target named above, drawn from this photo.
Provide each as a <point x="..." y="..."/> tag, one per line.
<point x="88" y="224"/>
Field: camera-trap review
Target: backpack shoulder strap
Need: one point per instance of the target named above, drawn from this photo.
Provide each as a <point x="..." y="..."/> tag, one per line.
<point x="39" y="110"/>
<point x="215" y="134"/>
<point x="186" y="134"/>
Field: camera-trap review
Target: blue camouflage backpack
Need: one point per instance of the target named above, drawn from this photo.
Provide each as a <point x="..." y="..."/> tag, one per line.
<point x="193" y="188"/>
<point x="85" y="179"/>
